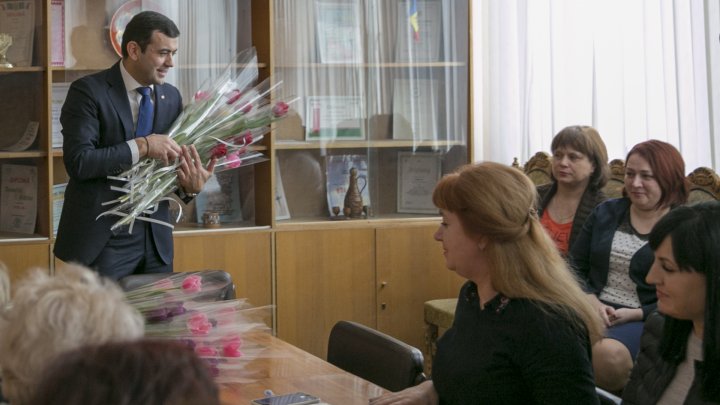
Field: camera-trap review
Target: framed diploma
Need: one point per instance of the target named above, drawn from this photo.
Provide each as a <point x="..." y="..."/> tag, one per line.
<point x="418" y="31"/>
<point x="17" y="18"/>
<point x="418" y="172"/>
<point x="338" y="31"/>
<point x="333" y="118"/>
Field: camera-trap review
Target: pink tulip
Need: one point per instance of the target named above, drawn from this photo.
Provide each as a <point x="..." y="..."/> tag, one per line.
<point x="192" y="284"/>
<point x="234" y="160"/>
<point x="280" y="109"/>
<point x="201" y="95"/>
<point x="234" y="96"/>
<point x="199" y="325"/>
<point x="218" y="151"/>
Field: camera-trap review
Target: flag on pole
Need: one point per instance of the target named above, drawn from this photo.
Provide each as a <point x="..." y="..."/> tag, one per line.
<point x="413" y="19"/>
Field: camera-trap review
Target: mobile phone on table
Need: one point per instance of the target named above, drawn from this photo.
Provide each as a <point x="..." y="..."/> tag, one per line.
<point x="297" y="398"/>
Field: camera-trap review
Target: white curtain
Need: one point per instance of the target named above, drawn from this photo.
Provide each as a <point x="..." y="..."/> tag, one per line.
<point x="208" y="39"/>
<point x="633" y="69"/>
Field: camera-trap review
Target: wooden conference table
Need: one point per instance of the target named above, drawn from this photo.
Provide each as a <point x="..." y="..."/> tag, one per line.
<point x="285" y="369"/>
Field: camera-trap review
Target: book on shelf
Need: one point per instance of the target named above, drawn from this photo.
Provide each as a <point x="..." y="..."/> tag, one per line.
<point x="415" y="109"/>
<point x="57" y="37"/>
<point x="18" y="198"/>
<point x="221" y="194"/>
<point x="337" y="174"/>
<point x="17" y="18"/>
<point x="418" y="31"/>
<point x="59" y="94"/>
<point x="58" y="198"/>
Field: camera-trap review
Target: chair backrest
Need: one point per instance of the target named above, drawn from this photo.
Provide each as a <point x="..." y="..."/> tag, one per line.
<point x="538" y="168"/>
<point x="616" y="182"/>
<point x="133" y="281"/>
<point x="375" y="356"/>
<point x="704" y="185"/>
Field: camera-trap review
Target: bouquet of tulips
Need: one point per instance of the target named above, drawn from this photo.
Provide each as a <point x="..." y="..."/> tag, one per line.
<point x="225" y="118"/>
<point x="186" y="308"/>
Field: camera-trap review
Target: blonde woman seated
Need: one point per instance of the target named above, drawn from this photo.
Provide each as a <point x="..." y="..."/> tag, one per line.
<point x="612" y="257"/>
<point x="579" y="172"/>
<point x="523" y="326"/>
<point x="50" y="315"/>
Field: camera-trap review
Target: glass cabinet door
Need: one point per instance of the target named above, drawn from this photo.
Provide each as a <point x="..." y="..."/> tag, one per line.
<point x="87" y="37"/>
<point x="380" y="110"/>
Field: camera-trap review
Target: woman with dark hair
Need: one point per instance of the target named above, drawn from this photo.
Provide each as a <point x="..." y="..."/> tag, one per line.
<point x="679" y="360"/>
<point x="140" y="373"/>
<point x="612" y="257"/>
<point x="523" y="326"/>
<point x="579" y="172"/>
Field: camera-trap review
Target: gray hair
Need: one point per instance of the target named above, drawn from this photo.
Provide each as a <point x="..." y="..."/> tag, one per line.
<point x="50" y="315"/>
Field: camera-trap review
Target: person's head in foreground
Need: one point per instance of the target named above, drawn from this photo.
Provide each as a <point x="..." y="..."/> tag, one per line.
<point x="143" y="372"/>
<point x="686" y="274"/>
<point x="50" y="315"/>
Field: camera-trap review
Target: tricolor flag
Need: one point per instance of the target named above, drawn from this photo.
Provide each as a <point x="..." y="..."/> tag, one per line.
<point x="413" y="19"/>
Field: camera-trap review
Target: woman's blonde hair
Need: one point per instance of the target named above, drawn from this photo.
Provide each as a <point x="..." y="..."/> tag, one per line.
<point x="50" y="315"/>
<point x="498" y="202"/>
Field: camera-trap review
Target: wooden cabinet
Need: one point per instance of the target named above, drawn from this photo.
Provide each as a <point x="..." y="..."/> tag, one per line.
<point x="376" y="274"/>
<point x="323" y="276"/>
<point x="410" y="270"/>
<point x="245" y="255"/>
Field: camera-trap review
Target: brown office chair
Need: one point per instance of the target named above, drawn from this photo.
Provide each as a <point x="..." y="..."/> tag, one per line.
<point x="215" y="277"/>
<point x="375" y="356"/>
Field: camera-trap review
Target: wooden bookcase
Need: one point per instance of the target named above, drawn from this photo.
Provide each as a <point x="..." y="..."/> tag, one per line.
<point x="376" y="270"/>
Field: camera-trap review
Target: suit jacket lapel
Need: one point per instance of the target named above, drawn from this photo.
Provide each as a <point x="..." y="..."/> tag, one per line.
<point x="118" y="97"/>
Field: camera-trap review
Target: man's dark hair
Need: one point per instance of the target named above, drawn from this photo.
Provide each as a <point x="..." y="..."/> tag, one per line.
<point x="141" y="28"/>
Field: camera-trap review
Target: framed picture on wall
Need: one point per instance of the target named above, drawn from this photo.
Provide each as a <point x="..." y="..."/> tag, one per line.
<point x="418" y="173"/>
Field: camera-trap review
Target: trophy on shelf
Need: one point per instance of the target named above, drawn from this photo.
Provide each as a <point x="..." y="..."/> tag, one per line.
<point x="5" y="43"/>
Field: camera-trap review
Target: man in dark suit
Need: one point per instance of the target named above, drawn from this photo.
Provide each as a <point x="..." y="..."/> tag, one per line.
<point x="102" y="138"/>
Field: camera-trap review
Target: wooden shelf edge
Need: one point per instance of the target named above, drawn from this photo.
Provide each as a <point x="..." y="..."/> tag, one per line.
<point x="389" y="143"/>
<point x="392" y="65"/>
<point x="22" y="69"/>
<point x="188" y="230"/>
<point x="23" y="154"/>
<point x="384" y="222"/>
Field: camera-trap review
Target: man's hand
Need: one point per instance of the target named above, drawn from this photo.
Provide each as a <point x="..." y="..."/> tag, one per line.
<point x="160" y="147"/>
<point x="191" y="174"/>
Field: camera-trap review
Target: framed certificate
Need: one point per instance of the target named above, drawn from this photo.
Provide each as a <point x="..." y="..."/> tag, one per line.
<point x="333" y="118"/>
<point x="418" y="31"/>
<point x="418" y="173"/>
<point x="338" y="31"/>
